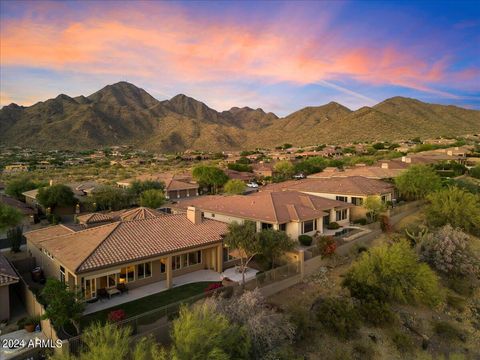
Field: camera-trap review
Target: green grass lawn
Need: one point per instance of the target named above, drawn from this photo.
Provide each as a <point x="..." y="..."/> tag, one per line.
<point x="148" y="303"/>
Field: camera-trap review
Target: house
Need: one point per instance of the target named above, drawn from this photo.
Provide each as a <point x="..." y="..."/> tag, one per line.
<point x="28" y="212"/>
<point x="238" y="175"/>
<point x="135" y="252"/>
<point x="15" y="168"/>
<point x="353" y="190"/>
<point x="263" y="170"/>
<point x="291" y="211"/>
<point x="379" y="171"/>
<point x="8" y="276"/>
<point x="176" y="186"/>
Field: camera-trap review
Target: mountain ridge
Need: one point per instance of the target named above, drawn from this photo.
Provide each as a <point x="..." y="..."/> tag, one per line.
<point x="123" y="113"/>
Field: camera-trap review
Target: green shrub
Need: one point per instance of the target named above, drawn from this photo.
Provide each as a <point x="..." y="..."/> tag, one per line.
<point x="362" y="221"/>
<point x="392" y="273"/>
<point x="333" y="226"/>
<point x="402" y="342"/>
<point x="362" y="350"/>
<point x="447" y="331"/>
<point x="53" y="219"/>
<point x="305" y="240"/>
<point x="376" y="312"/>
<point x="456" y="302"/>
<point x="461" y="285"/>
<point x="338" y="316"/>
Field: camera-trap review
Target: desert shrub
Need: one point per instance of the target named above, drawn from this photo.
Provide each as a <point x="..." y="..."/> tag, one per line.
<point x="393" y="273"/>
<point x="376" y="312"/>
<point x="461" y="285"/>
<point x="456" y="302"/>
<point x="301" y="318"/>
<point x="361" y="249"/>
<point x="333" y="226"/>
<point x="402" y="342"/>
<point x="305" y="240"/>
<point x="338" y="316"/>
<point x="326" y="245"/>
<point x="448" y="331"/>
<point x="362" y="350"/>
<point x="448" y="251"/>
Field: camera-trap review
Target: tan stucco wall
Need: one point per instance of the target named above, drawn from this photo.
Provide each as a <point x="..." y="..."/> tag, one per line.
<point x="50" y="267"/>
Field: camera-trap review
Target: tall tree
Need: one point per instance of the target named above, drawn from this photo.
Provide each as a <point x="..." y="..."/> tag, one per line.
<point x="63" y="304"/>
<point x="201" y="333"/>
<point x="374" y="206"/>
<point x="17" y="186"/>
<point x="9" y="216"/>
<point x="56" y="195"/>
<point x="273" y="244"/>
<point x="417" y="182"/>
<point x="210" y="176"/>
<point x="111" y="198"/>
<point x="284" y="170"/>
<point x="234" y="187"/>
<point x="152" y="198"/>
<point x="15" y="237"/>
<point x="242" y="238"/>
<point x="138" y="187"/>
<point x="456" y="207"/>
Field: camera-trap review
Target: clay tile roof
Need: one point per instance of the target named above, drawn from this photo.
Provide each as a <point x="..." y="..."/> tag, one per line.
<point x="38" y="236"/>
<point x="94" y="218"/>
<point x="7" y="200"/>
<point x="7" y="274"/>
<point x="355" y="185"/>
<point x="266" y="206"/>
<point x="371" y="172"/>
<point x="139" y="213"/>
<point x="123" y="241"/>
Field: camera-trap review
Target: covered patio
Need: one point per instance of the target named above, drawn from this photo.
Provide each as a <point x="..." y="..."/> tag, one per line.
<point x="159" y="286"/>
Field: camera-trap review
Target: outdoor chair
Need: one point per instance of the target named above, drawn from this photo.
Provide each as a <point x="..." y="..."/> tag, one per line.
<point x="102" y="294"/>
<point x="123" y="288"/>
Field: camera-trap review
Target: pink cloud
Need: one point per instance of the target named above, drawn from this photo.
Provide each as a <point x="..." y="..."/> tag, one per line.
<point x="175" y="46"/>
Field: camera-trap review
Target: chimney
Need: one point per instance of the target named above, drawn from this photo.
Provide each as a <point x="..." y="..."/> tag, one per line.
<point x="194" y="215"/>
<point x="384" y="165"/>
<point x="406" y="159"/>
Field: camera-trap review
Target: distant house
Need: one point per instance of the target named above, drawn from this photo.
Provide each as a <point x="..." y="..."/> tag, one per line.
<point x="238" y="175"/>
<point x="291" y="211"/>
<point x="176" y="186"/>
<point x="353" y="190"/>
<point x="15" y="168"/>
<point x="378" y="171"/>
<point x="145" y="249"/>
<point x="8" y="276"/>
<point x="263" y="170"/>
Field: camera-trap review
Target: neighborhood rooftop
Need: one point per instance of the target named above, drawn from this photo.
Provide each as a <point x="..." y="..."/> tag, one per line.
<point x="123" y="241"/>
<point x="271" y="207"/>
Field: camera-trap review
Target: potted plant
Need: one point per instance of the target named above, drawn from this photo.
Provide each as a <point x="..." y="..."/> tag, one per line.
<point x="30" y="323"/>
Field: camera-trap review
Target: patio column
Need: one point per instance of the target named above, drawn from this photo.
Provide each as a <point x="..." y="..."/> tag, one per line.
<point x="333" y="215"/>
<point x="169" y="272"/>
<point x="220" y="258"/>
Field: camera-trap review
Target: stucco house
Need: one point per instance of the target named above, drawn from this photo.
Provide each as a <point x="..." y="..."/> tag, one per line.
<point x="294" y="212"/>
<point x="143" y="247"/>
<point x="8" y="276"/>
<point x="353" y="190"/>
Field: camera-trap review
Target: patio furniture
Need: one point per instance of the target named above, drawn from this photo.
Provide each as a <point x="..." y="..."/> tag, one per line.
<point x="102" y="293"/>
<point x="37" y="275"/>
<point x="112" y="291"/>
<point x="123" y="288"/>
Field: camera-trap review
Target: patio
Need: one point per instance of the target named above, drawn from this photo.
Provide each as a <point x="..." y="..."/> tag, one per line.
<point x="151" y="289"/>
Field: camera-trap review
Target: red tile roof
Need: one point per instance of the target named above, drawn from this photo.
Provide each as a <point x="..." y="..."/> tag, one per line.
<point x="7" y="274"/>
<point x="271" y="207"/>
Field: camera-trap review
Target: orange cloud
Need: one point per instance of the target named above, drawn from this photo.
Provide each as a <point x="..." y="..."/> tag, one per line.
<point x="196" y="51"/>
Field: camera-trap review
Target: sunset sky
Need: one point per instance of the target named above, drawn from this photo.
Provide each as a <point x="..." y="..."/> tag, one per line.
<point x="280" y="56"/>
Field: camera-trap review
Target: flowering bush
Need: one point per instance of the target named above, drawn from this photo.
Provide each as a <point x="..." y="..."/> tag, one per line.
<point x="326" y="245"/>
<point x="448" y="251"/>
<point x="213" y="286"/>
<point x="116" y="315"/>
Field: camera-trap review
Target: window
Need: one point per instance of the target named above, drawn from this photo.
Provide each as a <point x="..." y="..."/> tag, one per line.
<point x="163" y="265"/>
<point x="266" y="226"/>
<point x="342" y="198"/>
<point x="48" y="254"/>
<point x="282" y="227"/>
<point x="62" y="274"/>
<point x="112" y="280"/>
<point x="127" y="274"/>
<point x="213" y="215"/>
<point x="186" y="260"/>
<point x="357" y="201"/>
<point x="144" y="270"/>
<point x="384" y="199"/>
<point x="341" y="214"/>
<point x="309" y="226"/>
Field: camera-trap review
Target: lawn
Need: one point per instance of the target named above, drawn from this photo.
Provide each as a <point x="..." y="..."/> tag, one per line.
<point x="148" y="303"/>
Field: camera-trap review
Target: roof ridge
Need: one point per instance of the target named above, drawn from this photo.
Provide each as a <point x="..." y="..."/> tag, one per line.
<point x="117" y="224"/>
<point x="273" y="206"/>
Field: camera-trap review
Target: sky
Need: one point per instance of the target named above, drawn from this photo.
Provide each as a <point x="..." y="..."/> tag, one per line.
<point x="277" y="55"/>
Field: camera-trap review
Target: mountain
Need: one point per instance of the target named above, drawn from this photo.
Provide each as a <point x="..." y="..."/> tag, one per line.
<point x="125" y="114"/>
